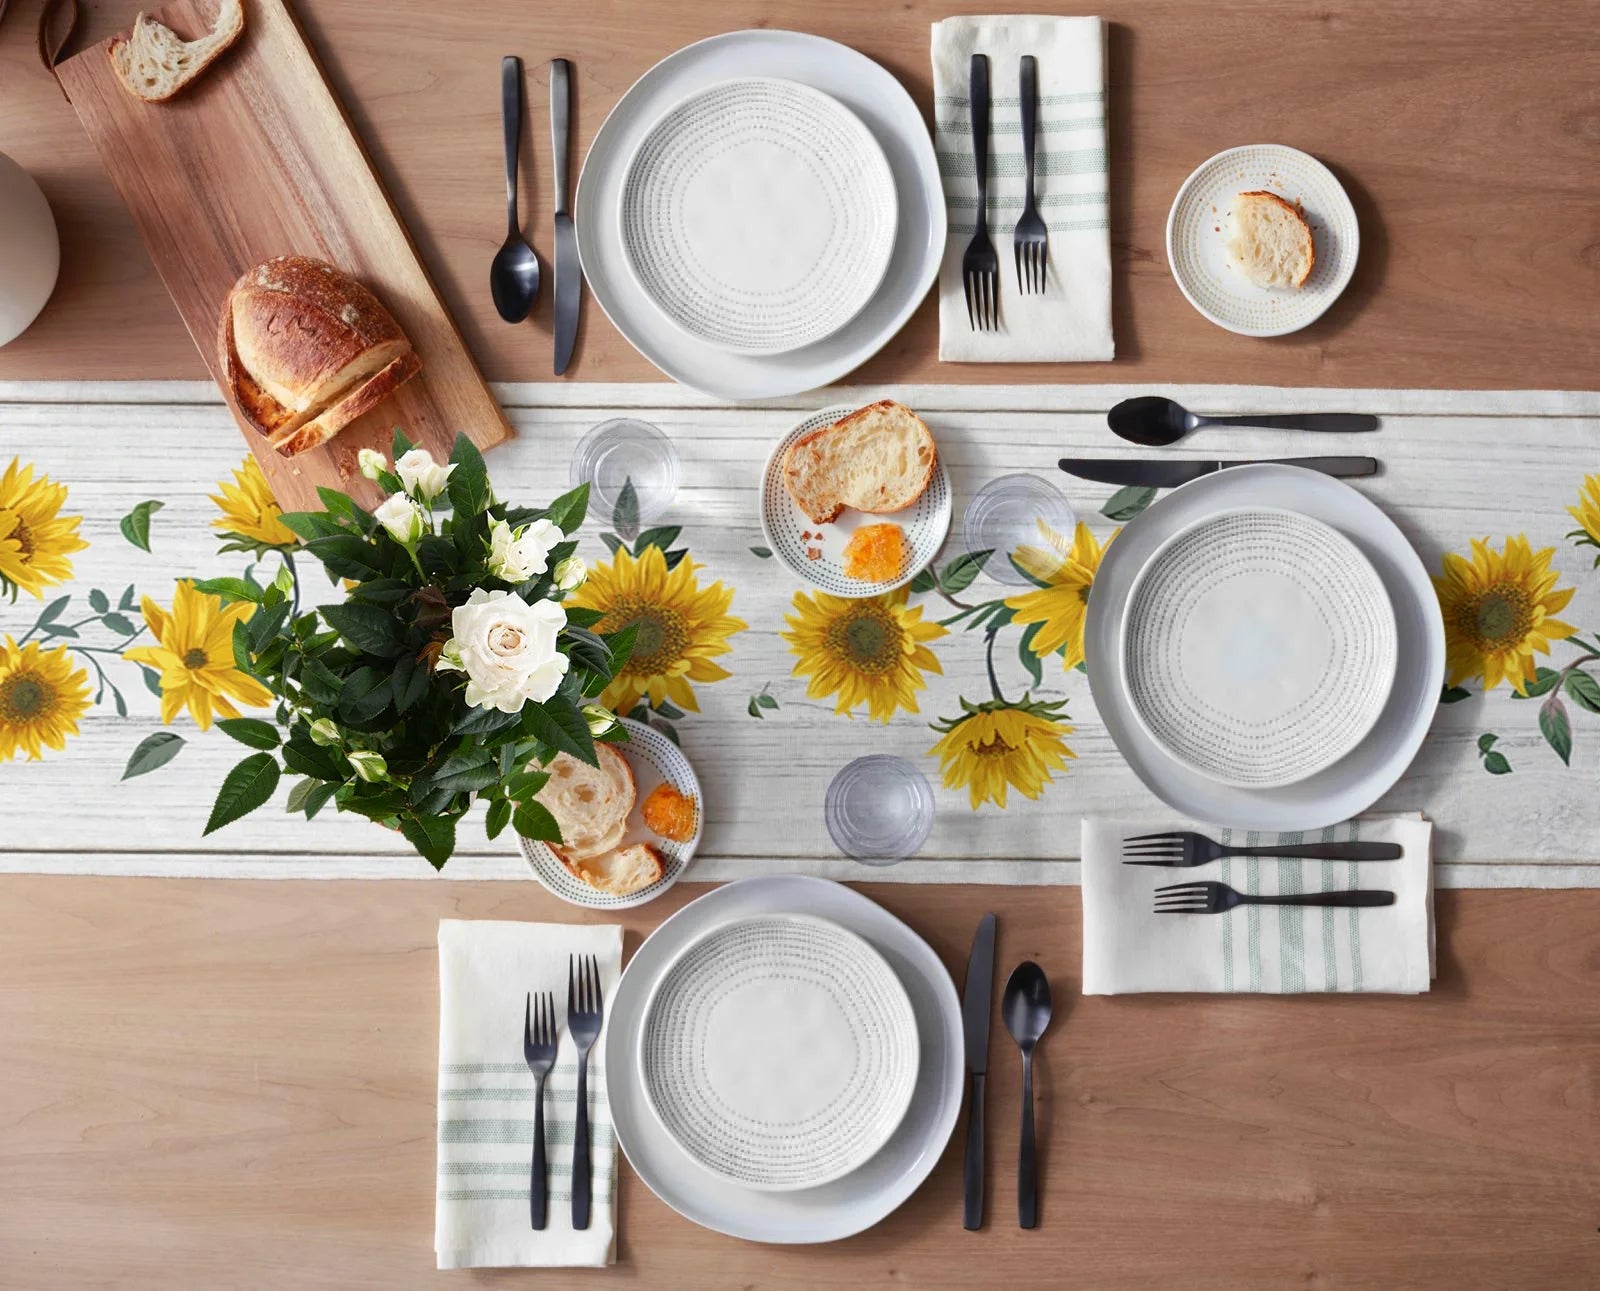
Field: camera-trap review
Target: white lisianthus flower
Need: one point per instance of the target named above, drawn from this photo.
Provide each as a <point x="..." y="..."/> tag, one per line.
<point x="372" y="462"/>
<point x="600" y="719"/>
<point x="423" y="477"/>
<point x="507" y="648"/>
<point x="324" y="732"/>
<point x="570" y="573"/>
<point x="369" y="766"/>
<point x="402" y="518"/>
<point x="517" y="557"/>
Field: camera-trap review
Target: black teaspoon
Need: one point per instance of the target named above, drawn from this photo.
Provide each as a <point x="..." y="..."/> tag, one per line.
<point x="1155" y="422"/>
<point x="1026" y="1009"/>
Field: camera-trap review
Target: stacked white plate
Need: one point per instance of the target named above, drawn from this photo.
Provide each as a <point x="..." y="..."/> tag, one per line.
<point x="784" y="1061"/>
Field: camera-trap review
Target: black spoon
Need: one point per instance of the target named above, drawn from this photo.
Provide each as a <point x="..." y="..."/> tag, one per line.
<point x="514" y="275"/>
<point x="1026" y="1009"/>
<point x="1154" y="422"/>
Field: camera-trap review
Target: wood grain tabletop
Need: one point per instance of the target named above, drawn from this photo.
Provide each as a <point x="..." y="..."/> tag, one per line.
<point x="1467" y="133"/>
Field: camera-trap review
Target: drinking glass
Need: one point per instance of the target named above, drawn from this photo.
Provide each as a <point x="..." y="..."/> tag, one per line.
<point x="879" y="809"/>
<point x="1004" y="515"/>
<point x="621" y="452"/>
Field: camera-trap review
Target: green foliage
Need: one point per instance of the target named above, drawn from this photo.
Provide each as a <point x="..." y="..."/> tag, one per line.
<point x="136" y="524"/>
<point x="1127" y="502"/>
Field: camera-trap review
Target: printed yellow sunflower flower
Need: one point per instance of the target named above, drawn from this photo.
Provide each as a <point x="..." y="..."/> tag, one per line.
<point x="1587" y="514"/>
<point x="195" y="657"/>
<point x="249" y="509"/>
<point x="993" y="745"/>
<point x="35" y="539"/>
<point x="42" y="696"/>
<point x="1497" y="612"/>
<point x="869" y="651"/>
<point x="1060" y="607"/>
<point x="682" y="626"/>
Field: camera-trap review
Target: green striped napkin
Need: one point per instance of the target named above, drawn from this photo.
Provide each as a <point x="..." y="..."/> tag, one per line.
<point x="1071" y="319"/>
<point x="1283" y="950"/>
<point x="486" y="1098"/>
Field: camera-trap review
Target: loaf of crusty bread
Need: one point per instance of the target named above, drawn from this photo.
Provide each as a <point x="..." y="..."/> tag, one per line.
<point x="880" y="458"/>
<point x="305" y="350"/>
<point x="154" y="63"/>
<point x="1270" y="241"/>
<point x="621" y="872"/>
<point x="590" y="803"/>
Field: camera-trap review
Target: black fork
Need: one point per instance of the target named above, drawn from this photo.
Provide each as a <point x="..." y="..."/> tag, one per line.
<point x="1183" y="848"/>
<point x="539" y="1050"/>
<point x="1215" y="898"/>
<point x="585" y="1012"/>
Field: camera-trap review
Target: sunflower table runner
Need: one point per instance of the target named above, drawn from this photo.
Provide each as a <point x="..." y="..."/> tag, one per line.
<point x="116" y="670"/>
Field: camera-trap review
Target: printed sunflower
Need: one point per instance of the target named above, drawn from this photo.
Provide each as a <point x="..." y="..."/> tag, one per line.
<point x="1064" y="573"/>
<point x="1001" y="744"/>
<point x="872" y="650"/>
<point x="35" y="539"/>
<point x="42" y="696"/>
<point x="251" y="518"/>
<point x="195" y="656"/>
<point x="1498" y="610"/>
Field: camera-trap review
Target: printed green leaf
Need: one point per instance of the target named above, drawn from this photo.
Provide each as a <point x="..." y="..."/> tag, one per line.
<point x="960" y="572"/>
<point x="98" y="601"/>
<point x="136" y="524"/>
<point x="154" y="751"/>
<point x="761" y="553"/>
<point x="612" y="542"/>
<point x="1454" y="695"/>
<point x="625" y="515"/>
<point x="130" y="598"/>
<point x="1584" y="690"/>
<point x="1486" y="741"/>
<point x="246" y="787"/>
<point x="1543" y="680"/>
<point x="469" y="482"/>
<point x="1127" y="502"/>
<point x="1025" y="653"/>
<point x="152" y="680"/>
<point x="118" y="623"/>
<point x="1557" y="727"/>
<point x="662" y="536"/>
<point x="52" y="611"/>
<point x="532" y="820"/>
<point x="1495" y="764"/>
<point x="434" y="837"/>
<point x="250" y="731"/>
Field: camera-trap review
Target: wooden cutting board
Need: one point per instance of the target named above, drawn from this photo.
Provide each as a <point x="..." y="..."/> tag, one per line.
<point x="256" y="159"/>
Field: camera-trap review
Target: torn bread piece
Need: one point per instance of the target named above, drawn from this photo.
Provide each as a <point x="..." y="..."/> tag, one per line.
<point x="153" y="62"/>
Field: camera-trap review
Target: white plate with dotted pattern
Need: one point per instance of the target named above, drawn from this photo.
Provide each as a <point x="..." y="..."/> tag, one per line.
<point x="653" y="759"/>
<point x="779" y="1052"/>
<point x="815" y="552"/>
<point x="1197" y="231"/>
<point x="759" y="215"/>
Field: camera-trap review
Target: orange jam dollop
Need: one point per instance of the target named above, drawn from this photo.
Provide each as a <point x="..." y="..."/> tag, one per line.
<point x="669" y="813"/>
<point x="875" y="553"/>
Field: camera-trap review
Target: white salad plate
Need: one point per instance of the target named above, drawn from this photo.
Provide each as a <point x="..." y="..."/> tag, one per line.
<point x="779" y="1051"/>
<point x="759" y="215"/>
<point x="1359" y="779"/>
<point x="881" y="104"/>
<point x="1258" y="647"/>
<point x="653" y="759"/>
<point x="793" y="536"/>
<point x="1197" y="232"/>
<point x="859" y="1199"/>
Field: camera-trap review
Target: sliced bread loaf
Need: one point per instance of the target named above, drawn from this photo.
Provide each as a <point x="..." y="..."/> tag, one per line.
<point x="1270" y="241"/>
<point x="880" y="458"/>
<point x="155" y="63"/>
<point x="621" y="872"/>
<point x="590" y="804"/>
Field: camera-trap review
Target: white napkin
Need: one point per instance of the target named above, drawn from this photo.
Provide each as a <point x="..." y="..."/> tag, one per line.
<point x="1285" y="950"/>
<point x="486" y="969"/>
<point x="1071" y="319"/>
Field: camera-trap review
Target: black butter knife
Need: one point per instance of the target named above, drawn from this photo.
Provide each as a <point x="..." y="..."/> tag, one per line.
<point x="975" y="1003"/>
<point x="1154" y="474"/>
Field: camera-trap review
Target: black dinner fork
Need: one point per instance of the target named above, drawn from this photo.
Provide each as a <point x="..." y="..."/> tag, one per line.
<point x="980" y="267"/>
<point x="1182" y="848"/>
<point x="539" y="1050"/>
<point x="1030" y="243"/>
<point x="1216" y="898"/>
<point x="585" y="1012"/>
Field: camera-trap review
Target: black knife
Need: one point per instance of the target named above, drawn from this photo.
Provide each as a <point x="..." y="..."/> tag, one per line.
<point x="569" y="273"/>
<point x="1155" y="474"/>
<point x="975" y="1001"/>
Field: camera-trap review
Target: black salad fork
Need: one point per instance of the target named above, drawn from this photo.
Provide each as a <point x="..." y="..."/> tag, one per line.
<point x="1030" y="243"/>
<point x="1215" y="898"/>
<point x="585" y="1012"/>
<point x="980" y="267"/>
<point x="1185" y="848"/>
<point x="539" y="1049"/>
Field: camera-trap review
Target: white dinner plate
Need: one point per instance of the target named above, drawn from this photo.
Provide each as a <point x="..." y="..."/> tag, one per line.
<point x="1258" y="647"/>
<point x="779" y="1051"/>
<point x="861" y="1198"/>
<point x="759" y="215"/>
<point x="1356" y="781"/>
<point x="1197" y="231"/>
<point x="882" y="105"/>
<point x="815" y="552"/>
<point x="653" y="759"/>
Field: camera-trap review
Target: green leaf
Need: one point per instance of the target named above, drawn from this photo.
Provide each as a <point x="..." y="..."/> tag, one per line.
<point x="264" y="625"/>
<point x="343" y="507"/>
<point x="410" y="682"/>
<point x="298" y="794"/>
<point x="498" y="818"/>
<point x="232" y="589"/>
<point x="59" y="630"/>
<point x="320" y="683"/>
<point x="525" y="784"/>
<point x="310" y="524"/>
<point x="152" y="680"/>
<point x="625" y="515"/>
<point x="52" y="611"/>
<point x="960" y="572"/>
<point x="369" y="628"/>
<point x="612" y="542"/>
<point x="98" y="601"/>
<point x="1127" y="502"/>
<point x="246" y="787"/>
<point x="1557" y="727"/>
<point x="251" y="731"/>
<point x="923" y="581"/>
<point x="303" y="757"/>
<point x="130" y="598"/>
<point x="469" y="482"/>
<point x="621" y="645"/>
<point x="1543" y="680"/>
<point x="753" y="708"/>
<point x="119" y="624"/>
<point x="766" y="700"/>
<point x="559" y="724"/>
<point x="1496" y="764"/>
<point x="567" y="511"/>
<point x="663" y="536"/>
<point x="1486" y="741"/>
<point x="1454" y="695"/>
<point x="347" y="555"/>
<point x="484" y="721"/>
<point x="1030" y="661"/>
<point x="532" y="820"/>
<point x="136" y="524"/>
<point x="154" y="751"/>
<point x="433" y="836"/>
<point x="1584" y="690"/>
<point x="367" y="692"/>
<point x="381" y="591"/>
<point x="465" y="773"/>
<point x="399" y="446"/>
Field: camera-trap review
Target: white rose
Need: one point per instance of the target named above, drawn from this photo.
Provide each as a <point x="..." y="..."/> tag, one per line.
<point x="518" y="557"/>
<point x="372" y="462"/>
<point x="507" y="648"/>
<point x="402" y="518"/>
<point x="423" y="477"/>
<point x="570" y="573"/>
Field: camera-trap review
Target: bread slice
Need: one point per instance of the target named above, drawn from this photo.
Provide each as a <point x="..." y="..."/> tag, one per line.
<point x="154" y="63"/>
<point x="621" y="872"/>
<point x="880" y="458"/>
<point x="590" y="804"/>
<point x="1270" y="241"/>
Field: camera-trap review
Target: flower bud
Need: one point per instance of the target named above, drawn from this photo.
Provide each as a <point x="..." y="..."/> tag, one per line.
<point x="324" y="732"/>
<point x="600" y="720"/>
<point x="369" y="766"/>
<point x="402" y="518"/>
<point x="423" y="477"/>
<point x="570" y="573"/>
<point x="372" y="462"/>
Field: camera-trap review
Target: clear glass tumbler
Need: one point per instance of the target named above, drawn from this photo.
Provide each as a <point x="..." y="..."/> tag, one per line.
<point x="879" y="809"/>
<point x="1005" y="514"/>
<point x="621" y="452"/>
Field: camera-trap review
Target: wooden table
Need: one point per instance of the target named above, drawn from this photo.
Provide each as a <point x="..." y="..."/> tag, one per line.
<point x="211" y="1083"/>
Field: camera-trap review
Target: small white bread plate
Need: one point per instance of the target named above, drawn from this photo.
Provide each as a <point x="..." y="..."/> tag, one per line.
<point x="833" y="1210"/>
<point x="759" y="215"/>
<point x="1258" y="647"/>
<point x="792" y="535"/>
<point x="1355" y="782"/>
<point x="654" y="759"/>
<point x="779" y="1051"/>
<point x="881" y="103"/>
<point x="1197" y="232"/>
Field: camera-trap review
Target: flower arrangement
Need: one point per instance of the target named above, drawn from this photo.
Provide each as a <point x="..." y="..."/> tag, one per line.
<point x="448" y="675"/>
